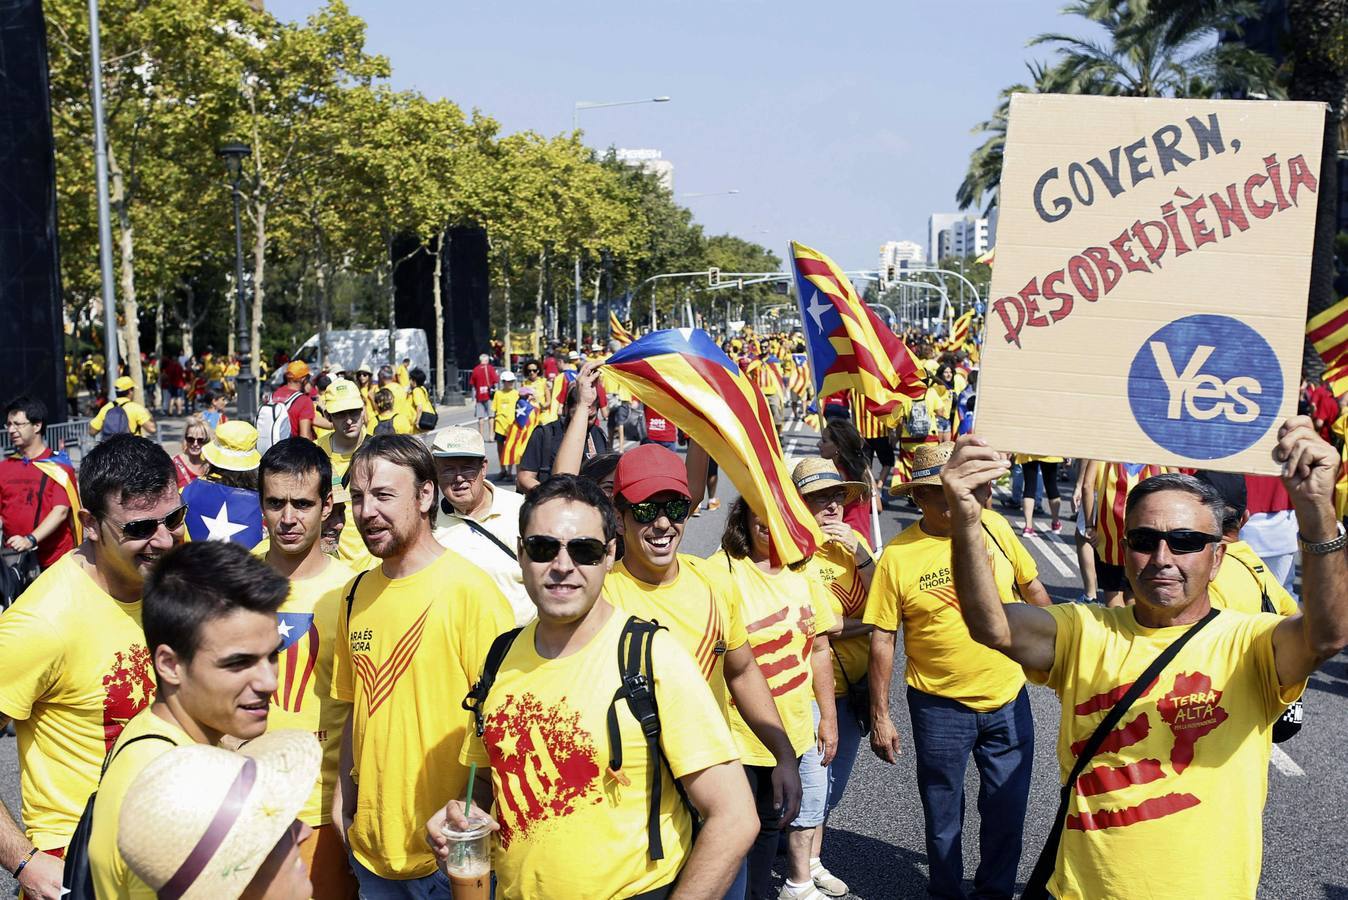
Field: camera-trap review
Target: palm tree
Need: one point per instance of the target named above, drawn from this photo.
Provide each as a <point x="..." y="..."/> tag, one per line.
<point x="1149" y="49"/>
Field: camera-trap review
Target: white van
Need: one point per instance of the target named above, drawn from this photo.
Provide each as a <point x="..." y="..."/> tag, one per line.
<point x="349" y="350"/>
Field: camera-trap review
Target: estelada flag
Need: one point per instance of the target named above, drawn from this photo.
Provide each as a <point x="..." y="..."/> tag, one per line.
<point x="616" y="330"/>
<point x="518" y="432"/>
<point x="959" y="331"/>
<point x="849" y="347"/>
<point x="219" y="512"/>
<point x="1328" y="332"/>
<point x="684" y="376"/>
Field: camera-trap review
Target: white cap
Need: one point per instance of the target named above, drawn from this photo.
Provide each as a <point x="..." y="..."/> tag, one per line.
<point x="507" y="375"/>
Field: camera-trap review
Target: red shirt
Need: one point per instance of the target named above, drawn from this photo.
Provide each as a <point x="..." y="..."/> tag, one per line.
<point x="858" y="515"/>
<point x="550" y="367"/>
<point x="172" y="375"/>
<point x="1265" y="494"/>
<point x="22" y="508"/>
<point x="658" y="428"/>
<point x="302" y="408"/>
<point x="482" y="381"/>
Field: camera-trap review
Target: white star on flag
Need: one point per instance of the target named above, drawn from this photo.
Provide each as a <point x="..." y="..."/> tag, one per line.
<point x="816" y="310"/>
<point x="219" y="527"/>
<point x="283" y="629"/>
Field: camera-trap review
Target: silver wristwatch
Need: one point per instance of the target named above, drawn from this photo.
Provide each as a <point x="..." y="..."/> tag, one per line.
<point x="1333" y="545"/>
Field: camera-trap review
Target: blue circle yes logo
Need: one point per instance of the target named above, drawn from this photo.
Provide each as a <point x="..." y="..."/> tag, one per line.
<point x="1205" y="386"/>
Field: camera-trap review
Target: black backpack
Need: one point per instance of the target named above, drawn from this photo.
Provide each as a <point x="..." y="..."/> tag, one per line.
<point x="116" y="421"/>
<point x="385" y="426"/>
<point x="77" y="879"/>
<point x="637" y="688"/>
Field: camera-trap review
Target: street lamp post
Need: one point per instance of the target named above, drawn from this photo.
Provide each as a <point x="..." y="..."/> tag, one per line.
<point x="234" y="153"/>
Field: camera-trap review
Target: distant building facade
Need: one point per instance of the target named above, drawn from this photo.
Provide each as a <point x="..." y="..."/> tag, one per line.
<point x="953" y="235"/>
<point x="896" y="253"/>
<point x="649" y="160"/>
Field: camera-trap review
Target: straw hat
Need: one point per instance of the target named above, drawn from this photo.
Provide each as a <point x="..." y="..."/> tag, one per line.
<point x="818" y="474"/>
<point x="234" y="447"/>
<point x="927" y="462"/>
<point x="199" y="821"/>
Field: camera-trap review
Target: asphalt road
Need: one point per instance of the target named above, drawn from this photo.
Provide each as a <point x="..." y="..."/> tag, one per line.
<point x="875" y="838"/>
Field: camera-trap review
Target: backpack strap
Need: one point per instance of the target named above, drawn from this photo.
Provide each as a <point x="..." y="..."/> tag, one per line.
<point x="351" y="597"/>
<point x="482" y="687"/>
<point x="1036" y="888"/>
<point x="638" y="689"/>
<point x="1015" y="588"/>
<point x="1266" y="603"/>
<point x="118" y="752"/>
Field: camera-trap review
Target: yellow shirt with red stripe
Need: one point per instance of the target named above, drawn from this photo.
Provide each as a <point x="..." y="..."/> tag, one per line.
<point x="767" y="379"/>
<point x="407" y="653"/>
<point x="696" y="608"/>
<point x="74" y="670"/>
<point x="835" y="566"/>
<point x="1189" y="758"/>
<point x="913" y="587"/>
<point x="569" y="827"/>
<point x="1244" y="581"/>
<point x="782" y="613"/>
<point x="351" y="547"/>
<point x="1112" y="484"/>
<point x="1340" y="427"/>
<point x="307" y="626"/>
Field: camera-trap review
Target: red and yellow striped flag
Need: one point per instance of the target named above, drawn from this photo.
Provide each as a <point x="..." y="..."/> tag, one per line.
<point x="849" y="347"/>
<point x="617" y="332"/>
<point x="684" y="376"/>
<point x="1328" y="332"/>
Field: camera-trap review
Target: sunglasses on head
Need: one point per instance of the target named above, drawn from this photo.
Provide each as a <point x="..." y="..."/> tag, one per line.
<point x="144" y="529"/>
<point x="648" y="511"/>
<point x="542" y="548"/>
<point x="1181" y="540"/>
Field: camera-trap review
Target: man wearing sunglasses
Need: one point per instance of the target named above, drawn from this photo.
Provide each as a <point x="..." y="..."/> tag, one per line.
<point x="684" y="593"/>
<point x="573" y="815"/>
<point x="1190" y="756"/>
<point x="210" y="623"/>
<point x="74" y="667"/>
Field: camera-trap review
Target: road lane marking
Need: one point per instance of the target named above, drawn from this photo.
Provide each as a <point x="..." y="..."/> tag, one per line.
<point x="1285" y="764"/>
<point x="1052" y="557"/>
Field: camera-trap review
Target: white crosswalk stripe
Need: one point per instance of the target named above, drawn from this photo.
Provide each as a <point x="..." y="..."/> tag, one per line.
<point x="1285" y="764"/>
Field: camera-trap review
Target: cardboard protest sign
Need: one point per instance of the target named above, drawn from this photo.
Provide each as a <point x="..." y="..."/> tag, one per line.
<point x="1148" y="302"/>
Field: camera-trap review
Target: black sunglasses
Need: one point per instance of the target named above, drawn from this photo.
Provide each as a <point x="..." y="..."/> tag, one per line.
<point x="542" y="548"/>
<point x="144" y="529"/>
<point x="648" y="511"/>
<point x="1181" y="540"/>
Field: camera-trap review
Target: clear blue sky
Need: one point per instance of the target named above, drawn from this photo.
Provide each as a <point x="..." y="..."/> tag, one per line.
<point x="842" y="125"/>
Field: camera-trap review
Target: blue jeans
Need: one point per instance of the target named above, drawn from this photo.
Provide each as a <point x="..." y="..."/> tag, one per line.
<point x="372" y="887"/>
<point x="945" y="733"/>
<point x="849" y="741"/>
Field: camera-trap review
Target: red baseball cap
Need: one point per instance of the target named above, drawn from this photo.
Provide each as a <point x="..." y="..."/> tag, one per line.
<point x="647" y="470"/>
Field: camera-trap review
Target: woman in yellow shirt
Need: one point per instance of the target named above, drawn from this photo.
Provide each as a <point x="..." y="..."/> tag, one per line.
<point x="387" y="420"/>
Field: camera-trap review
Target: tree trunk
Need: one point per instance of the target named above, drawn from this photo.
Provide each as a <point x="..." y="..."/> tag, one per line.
<point x="505" y="288"/>
<point x="392" y="305"/>
<point x="538" y="303"/>
<point x="259" y="284"/>
<point x="159" y="328"/>
<point x="1319" y="73"/>
<point x="232" y="302"/>
<point x="321" y="280"/>
<point x="126" y="246"/>
<point x="189" y="323"/>
<point x="437" y="299"/>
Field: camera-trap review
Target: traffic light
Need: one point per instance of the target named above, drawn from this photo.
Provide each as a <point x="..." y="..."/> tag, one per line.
<point x="713" y="276"/>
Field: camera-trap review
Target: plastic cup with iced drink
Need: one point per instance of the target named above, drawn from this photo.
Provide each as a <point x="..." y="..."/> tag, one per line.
<point x="469" y="864"/>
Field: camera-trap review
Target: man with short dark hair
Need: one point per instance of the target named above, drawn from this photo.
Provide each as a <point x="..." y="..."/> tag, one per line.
<point x="210" y="612"/>
<point x="569" y="442"/>
<point x="38" y="490"/>
<point x="1190" y="755"/>
<point x="295" y="481"/>
<point x="74" y="667"/>
<point x="573" y="780"/>
<point x="412" y="635"/>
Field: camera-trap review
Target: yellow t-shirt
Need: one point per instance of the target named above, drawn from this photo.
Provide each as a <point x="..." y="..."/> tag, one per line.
<point x="401" y="424"/>
<point x="419" y="401"/>
<point x="1023" y="458"/>
<point x="913" y="586"/>
<point x="73" y="671"/>
<point x="1340" y="427"/>
<point x="402" y="376"/>
<point x="112" y="877"/>
<point x="1242" y="582"/>
<point x="782" y="613"/>
<point x="136" y="416"/>
<point x="542" y="399"/>
<point x="832" y="565"/>
<point x="503" y="408"/>
<point x="351" y="547"/>
<point x="1190" y="758"/>
<point x="411" y="651"/>
<point x="569" y="829"/>
<point x="696" y="609"/>
<point x="307" y="623"/>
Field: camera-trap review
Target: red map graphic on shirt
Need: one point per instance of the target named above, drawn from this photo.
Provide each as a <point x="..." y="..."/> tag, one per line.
<point x="784" y="671"/>
<point x="127" y="689"/>
<point x="1191" y="710"/>
<point x="544" y="762"/>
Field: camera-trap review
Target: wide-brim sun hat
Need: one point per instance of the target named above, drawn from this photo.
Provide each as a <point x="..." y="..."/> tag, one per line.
<point x="819" y="474"/>
<point x="234" y="447"/>
<point x="198" y="822"/>
<point x="928" y="460"/>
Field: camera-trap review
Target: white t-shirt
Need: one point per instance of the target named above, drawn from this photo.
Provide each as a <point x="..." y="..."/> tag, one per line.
<point x="502" y="521"/>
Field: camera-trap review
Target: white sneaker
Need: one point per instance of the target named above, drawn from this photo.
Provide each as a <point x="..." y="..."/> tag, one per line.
<point x="806" y="893"/>
<point x="827" y="882"/>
